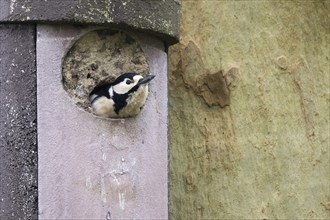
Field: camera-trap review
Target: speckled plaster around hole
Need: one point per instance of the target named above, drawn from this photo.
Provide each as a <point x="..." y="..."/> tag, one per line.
<point x="99" y="57"/>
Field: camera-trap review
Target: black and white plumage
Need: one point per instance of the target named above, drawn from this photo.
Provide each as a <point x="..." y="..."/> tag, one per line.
<point x="122" y="98"/>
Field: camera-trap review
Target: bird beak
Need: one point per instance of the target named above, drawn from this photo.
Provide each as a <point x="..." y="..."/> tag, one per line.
<point x="146" y="79"/>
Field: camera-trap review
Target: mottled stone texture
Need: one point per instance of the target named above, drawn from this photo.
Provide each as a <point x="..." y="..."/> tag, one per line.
<point x="156" y="17"/>
<point x="18" y="132"/>
<point x="266" y="154"/>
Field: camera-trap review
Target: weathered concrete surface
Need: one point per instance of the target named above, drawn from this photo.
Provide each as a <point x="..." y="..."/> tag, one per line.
<point x="18" y="129"/>
<point x="266" y="155"/>
<point x="157" y="17"/>
<point x="91" y="168"/>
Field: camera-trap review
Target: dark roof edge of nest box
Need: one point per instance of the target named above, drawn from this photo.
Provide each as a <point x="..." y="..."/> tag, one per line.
<point x="160" y="18"/>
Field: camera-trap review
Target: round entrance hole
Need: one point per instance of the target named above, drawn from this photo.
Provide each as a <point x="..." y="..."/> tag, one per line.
<point x="99" y="57"/>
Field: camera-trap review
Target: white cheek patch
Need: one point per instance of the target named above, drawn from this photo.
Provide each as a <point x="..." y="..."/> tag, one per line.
<point x="137" y="78"/>
<point x="122" y="88"/>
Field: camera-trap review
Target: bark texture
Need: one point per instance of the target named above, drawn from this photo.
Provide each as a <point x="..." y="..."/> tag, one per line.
<point x="249" y="111"/>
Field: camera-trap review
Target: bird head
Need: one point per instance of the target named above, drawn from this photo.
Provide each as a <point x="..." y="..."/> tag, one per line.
<point x="129" y="82"/>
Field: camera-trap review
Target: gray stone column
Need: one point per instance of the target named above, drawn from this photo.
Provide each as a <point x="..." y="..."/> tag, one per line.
<point x="18" y="118"/>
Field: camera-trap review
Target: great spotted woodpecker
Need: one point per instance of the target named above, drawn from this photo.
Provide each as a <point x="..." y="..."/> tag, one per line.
<point x="122" y="98"/>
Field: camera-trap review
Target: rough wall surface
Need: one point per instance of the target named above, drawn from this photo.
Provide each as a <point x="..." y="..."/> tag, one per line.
<point x="157" y="17"/>
<point x="264" y="152"/>
<point x="18" y="129"/>
<point x="92" y="168"/>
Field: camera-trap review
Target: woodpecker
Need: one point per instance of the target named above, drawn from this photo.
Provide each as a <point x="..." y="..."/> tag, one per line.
<point x="122" y="98"/>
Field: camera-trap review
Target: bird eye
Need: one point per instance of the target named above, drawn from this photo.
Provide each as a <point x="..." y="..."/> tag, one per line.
<point x="128" y="82"/>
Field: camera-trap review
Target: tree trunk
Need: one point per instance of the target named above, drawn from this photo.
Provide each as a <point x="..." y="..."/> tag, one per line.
<point x="249" y="111"/>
